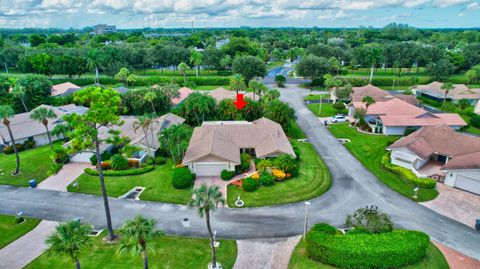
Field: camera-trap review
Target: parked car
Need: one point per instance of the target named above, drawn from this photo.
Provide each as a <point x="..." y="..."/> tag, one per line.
<point x="339" y="118"/>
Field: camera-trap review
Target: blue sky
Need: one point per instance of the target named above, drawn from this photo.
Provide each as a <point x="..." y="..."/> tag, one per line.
<point x="234" y="13"/>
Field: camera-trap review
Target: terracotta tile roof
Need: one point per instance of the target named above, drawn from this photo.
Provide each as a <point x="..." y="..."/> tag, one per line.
<point x="183" y="93"/>
<point x="460" y="91"/>
<point x="64" y="89"/>
<point x="221" y="93"/>
<point x="225" y="139"/>
<point x="442" y="139"/>
<point x="370" y="90"/>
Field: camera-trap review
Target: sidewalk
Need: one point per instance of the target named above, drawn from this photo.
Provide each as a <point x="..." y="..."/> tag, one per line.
<point x="67" y="175"/>
<point x="457" y="260"/>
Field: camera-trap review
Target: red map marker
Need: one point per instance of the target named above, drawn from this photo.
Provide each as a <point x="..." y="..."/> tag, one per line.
<point x="240" y="104"/>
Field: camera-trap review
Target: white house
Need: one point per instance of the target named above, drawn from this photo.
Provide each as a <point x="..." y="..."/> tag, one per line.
<point x="440" y="152"/>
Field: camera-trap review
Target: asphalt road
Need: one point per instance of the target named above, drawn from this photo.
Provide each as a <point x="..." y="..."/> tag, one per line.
<point x="282" y="70"/>
<point x="353" y="187"/>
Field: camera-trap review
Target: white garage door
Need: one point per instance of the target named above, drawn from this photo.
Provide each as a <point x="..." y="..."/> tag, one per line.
<point x="209" y="169"/>
<point x="82" y="157"/>
<point x="467" y="184"/>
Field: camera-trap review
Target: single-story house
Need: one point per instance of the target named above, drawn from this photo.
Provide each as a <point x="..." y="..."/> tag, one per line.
<point x="183" y="93"/>
<point x="435" y="92"/>
<point x="148" y="143"/>
<point x="221" y="93"/>
<point x="64" y="89"/>
<point x="377" y="94"/>
<point x="217" y="145"/>
<point x="477" y="108"/>
<point x="121" y="90"/>
<point x="23" y="127"/>
<point x="438" y="151"/>
<point x="393" y="117"/>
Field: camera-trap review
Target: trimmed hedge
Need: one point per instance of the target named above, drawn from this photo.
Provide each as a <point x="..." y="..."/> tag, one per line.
<point x="182" y="178"/>
<point x="227" y="175"/>
<point x="361" y="251"/>
<point x="249" y="184"/>
<point x="407" y="175"/>
<point x="113" y="173"/>
<point x="387" y="81"/>
<point x="324" y="228"/>
<point x="266" y="179"/>
<point x="147" y="81"/>
<point x="118" y="162"/>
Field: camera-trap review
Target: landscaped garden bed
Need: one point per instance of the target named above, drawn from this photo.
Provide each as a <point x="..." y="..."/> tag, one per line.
<point x="11" y="230"/>
<point x="313" y="180"/>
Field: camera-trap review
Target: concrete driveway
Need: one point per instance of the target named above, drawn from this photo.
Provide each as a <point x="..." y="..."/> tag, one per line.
<point x="67" y="175"/>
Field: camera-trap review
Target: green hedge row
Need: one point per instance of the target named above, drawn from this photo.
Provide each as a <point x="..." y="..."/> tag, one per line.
<point x="407" y="175"/>
<point x="386" y="250"/>
<point x="387" y="81"/>
<point x="113" y="173"/>
<point x="146" y="81"/>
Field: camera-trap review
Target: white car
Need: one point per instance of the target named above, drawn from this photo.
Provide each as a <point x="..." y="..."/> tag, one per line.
<point x="339" y="118"/>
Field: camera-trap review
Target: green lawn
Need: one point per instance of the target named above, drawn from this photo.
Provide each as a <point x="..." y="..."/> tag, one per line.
<point x="168" y="252"/>
<point x="314" y="180"/>
<point x="327" y="110"/>
<point x="369" y="149"/>
<point x="208" y="87"/>
<point x="11" y="231"/>
<point x="433" y="260"/>
<point x="34" y="164"/>
<point x="273" y="65"/>
<point x="157" y="183"/>
<point x="316" y="97"/>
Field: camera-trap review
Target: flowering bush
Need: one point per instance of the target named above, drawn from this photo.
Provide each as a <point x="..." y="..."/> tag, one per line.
<point x="255" y="176"/>
<point x="279" y="174"/>
<point x="133" y="163"/>
<point x="106" y="165"/>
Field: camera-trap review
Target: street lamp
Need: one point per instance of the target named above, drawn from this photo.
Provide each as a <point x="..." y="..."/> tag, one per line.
<point x="306" y="218"/>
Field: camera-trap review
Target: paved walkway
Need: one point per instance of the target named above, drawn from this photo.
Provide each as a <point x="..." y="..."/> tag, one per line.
<point x="273" y="253"/>
<point x="22" y="251"/>
<point x="456" y="204"/>
<point x="457" y="260"/>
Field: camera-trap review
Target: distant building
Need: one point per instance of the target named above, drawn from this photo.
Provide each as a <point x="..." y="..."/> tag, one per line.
<point x="104" y="29"/>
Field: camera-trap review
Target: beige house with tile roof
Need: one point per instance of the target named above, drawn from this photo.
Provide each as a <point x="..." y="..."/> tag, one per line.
<point x="64" y="89"/>
<point x="440" y="151"/>
<point x="435" y="92"/>
<point x="377" y="94"/>
<point x="220" y="94"/>
<point x="216" y="145"/>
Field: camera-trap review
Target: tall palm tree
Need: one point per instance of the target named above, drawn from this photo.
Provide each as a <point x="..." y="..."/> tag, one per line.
<point x="206" y="199"/>
<point x="19" y="92"/>
<point x="237" y="83"/>
<point x="69" y="239"/>
<point x="447" y="87"/>
<point x="144" y="122"/>
<point x="183" y="68"/>
<point x="135" y="234"/>
<point x="95" y="60"/>
<point x="374" y="56"/>
<point x="196" y="59"/>
<point x="42" y="114"/>
<point x="6" y="112"/>
<point x="150" y="97"/>
<point x="368" y="100"/>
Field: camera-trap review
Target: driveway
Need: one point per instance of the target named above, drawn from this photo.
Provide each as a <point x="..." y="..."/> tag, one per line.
<point x="456" y="204"/>
<point x="67" y="175"/>
<point x="353" y="187"/>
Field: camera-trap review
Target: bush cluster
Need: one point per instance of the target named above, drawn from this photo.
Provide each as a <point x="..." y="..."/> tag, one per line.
<point x="359" y="250"/>
<point x="29" y="143"/>
<point x="244" y="163"/>
<point x="475" y="121"/>
<point x="266" y="179"/>
<point x="324" y="228"/>
<point x="407" y="175"/>
<point x="130" y="172"/>
<point x="118" y="162"/>
<point x="160" y="160"/>
<point x="249" y="184"/>
<point x="182" y="178"/>
<point x="9" y="149"/>
<point x="227" y="175"/>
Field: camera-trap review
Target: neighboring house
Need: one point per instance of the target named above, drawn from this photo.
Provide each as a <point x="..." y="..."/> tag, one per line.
<point x="148" y="143"/>
<point x="217" y="145"/>
<point x="477" y="108"/>
<point x="441" y="152"/>
<point x="23" y="127"/>
<point x="104" y="29"/>
<point x="121" y="90"/>
<point x="377" y="94"/>
<point x="183" y="93"/>
<point x="221" y="93"/>
<point x="64" y="89"/>
<point x="435" y="92"/>
<point x="393" y="117"/>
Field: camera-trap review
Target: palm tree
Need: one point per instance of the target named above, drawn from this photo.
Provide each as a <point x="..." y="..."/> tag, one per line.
<point x="196" y="59"/>
<point x="471" y="74"/>
<point x="206" y="199"/>
<point x="150" y="97"/>
<point x="19" y="92"/>
<point x="447" y="87"/>
<point x="144" y="122"/>
<point x="69" y="239"/>
<point x="257" y="88"/>
<point x="263" y="165"/>
<point x="6" y="112"/>
<point x="237" y="83"/>
<point x="135" y="233"/>
<point x="374" y="55"/>
<point x="183" y="67"/>
<point x="285" y="162"/>
<point x="368" y="100"/>
<point x="61" y="129"/>
<point x="42" y="114"/>
<point x="95" y="61"/>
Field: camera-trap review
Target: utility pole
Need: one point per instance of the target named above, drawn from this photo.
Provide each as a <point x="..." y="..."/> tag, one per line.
<point x="192" y="27"/>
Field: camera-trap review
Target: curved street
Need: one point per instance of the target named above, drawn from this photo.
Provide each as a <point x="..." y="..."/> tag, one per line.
<point x="353" y="187"/>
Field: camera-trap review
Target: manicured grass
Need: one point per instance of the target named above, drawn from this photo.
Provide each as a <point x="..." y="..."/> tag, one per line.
<point x="433" y="260"/>
<point x="158" y="185"/>
<point x="11" y="231"/>
<point x="273" y="65"/>
<point x="369" y="149"/>
<point x="34" y="164"/>
<point x="314" y="180"/>
<point x="316" y="97"/>
<point x="167" y="252"/>
<point x="327" y="110"/>
<point x="208" y="87"/>
<point x="396" y="88"/>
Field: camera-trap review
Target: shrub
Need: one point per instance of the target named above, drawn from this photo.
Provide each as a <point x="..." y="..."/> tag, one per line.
<point x="294" y="171"/>
<point x="249" y="184"/>
<point x="112" y="173"/>
<point x="106" y="165"/>
<point x="19" y="147"/>
<point x="244" y="163"/>
<point x="279" y="174"/>
<point x="361" y="251"/>
<point x="338" y="106"/>
<point x="475" y="121"/>
<point x="93" y="160"/>
<point x="266" y="179"/>
<point x="8" y="150"/>
<point x="370" y="219"/>
<point x="294" y="131"/>
<point x="227" y="175"/>
<point x="297" y="151"/>
<point x="106" y="156"/>
<point x="160" y="160"/>
<point x="407" y="175"/>
<point x="133" y="163"/>
<point x="119" y="162"/>
<point x="29" y="143"/>
<point x="150" y="160"/>
<point x="182" y="178"/>
<point x="255" y="176"/>
<point x="60" y="155"/>
<point x="55" y="168"/>
<point x="324" y="228"/>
